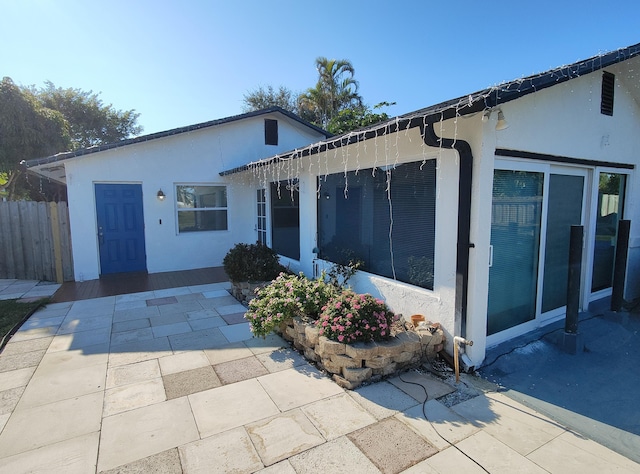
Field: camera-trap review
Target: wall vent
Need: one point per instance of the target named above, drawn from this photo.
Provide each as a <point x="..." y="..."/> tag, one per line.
<point x="270" y="132"/>
<point x="608" y="88"/>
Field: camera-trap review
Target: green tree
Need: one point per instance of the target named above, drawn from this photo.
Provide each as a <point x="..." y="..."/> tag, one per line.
<point x="265" y="97"/>
<point x="335" y="90"/>
<point x="354" y="118"/>
<point x="27" y="130"/>
<point x="39" y="122"/>
<point x="91" y="122"/>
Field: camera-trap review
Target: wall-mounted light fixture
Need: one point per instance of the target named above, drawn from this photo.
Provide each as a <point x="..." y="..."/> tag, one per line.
<point x="501" y="124"/>
<point x="160" y="195"/>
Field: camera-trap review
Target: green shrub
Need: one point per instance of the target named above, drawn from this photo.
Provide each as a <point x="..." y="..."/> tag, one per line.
<point x="286" y="297"/>
<point x="349" y="317"/>
<point x="252" y="262"/>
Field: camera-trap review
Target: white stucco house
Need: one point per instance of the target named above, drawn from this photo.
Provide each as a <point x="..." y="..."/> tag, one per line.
<point x="460" y="211"/>
<point x="158" y="203"/>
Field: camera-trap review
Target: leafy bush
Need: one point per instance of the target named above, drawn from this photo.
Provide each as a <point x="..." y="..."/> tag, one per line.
<point x="252" y="262"/>
<point x="284" y="298"/>
<point x="349" y="317"/>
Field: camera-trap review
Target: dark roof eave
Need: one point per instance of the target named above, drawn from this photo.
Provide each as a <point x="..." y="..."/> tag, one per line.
<point x="176" y="131"/>
<point x="465" y="105"/>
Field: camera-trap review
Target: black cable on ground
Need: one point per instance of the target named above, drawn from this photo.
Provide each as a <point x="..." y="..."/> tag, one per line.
<point x="424" y="413"/>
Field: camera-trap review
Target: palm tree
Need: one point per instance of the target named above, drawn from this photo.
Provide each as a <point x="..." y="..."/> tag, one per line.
<point x="335" y="90"/>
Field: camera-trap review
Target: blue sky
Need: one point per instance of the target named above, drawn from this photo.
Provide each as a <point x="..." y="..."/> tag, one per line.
<point x="183" y="62"/>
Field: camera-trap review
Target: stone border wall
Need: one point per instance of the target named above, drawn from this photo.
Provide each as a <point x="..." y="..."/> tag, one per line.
<point x="245" y="291"/>
<point x="353" y="364"/>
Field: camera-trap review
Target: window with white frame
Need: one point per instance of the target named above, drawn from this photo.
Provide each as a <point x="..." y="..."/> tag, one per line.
<point x="201" y="207"/>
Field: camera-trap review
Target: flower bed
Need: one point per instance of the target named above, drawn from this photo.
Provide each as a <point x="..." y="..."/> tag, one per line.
<point x="354" y="363"/>
<point x="354" y="337"/>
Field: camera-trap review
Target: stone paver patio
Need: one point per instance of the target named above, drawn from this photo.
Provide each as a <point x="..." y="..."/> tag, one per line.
<point x="171" y="381"/>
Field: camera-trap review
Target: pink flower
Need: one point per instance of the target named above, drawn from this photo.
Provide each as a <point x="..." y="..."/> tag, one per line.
<point x="338" y="304"/>
<point x="340" y="338"/>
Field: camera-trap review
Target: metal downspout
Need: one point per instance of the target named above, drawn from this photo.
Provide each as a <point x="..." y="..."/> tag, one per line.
<point x="464" y="217"/>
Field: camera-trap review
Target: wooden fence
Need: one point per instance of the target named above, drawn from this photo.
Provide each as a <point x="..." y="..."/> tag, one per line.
<point x="35" y="241"/>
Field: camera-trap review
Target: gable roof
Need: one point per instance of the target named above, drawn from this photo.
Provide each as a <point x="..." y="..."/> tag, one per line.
<point x="475" y="102"/>
<point x="168" y="133"/>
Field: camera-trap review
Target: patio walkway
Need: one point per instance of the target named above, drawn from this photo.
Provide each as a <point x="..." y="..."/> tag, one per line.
<point x="171" y="381"/>
<point x="123" y="283"/>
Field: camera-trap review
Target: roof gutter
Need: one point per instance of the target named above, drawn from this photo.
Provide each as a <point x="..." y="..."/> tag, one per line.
<point x="464" y="217"/>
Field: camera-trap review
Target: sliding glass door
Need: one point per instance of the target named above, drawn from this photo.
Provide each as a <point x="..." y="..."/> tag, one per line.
<point x="565" y="207"/>
<point x="515" y="245"/>
<point x="533" y="210"/>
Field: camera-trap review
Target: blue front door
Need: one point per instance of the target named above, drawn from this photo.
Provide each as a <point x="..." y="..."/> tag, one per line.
<point x="120" y="228"/>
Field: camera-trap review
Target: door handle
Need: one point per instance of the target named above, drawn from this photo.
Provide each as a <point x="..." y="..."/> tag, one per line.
<point x="100" y="235"/>
<point x="490" y="256"/>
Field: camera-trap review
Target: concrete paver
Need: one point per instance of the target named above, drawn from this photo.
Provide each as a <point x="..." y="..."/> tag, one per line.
<point x="496" y="456"/>
<point x="283" y="436"/>
<point x="107" y="385"/>
<point x="16" y="378"/>
<point x="35" y="333"/>
<point x="13" y="348"/>
<point x="139" y="433"/>
<point x="293" y="388"/>
<point x="497" y="415"/>
<point x="236" y="332"/>
<point x="20" y="361"/>
<point x="139" y="351"/>
<point x="132" y="373"/>
<point x="43" y="425"/>
<point x="80" y="340"/>
<point x="337" y="455"/>
<point x="448" y="460"/>
<point x="228" y="352"/>
<point x="283" y="467"/>
<point x="171" y="329"/>
<point x="240" y="369"/>
<point x="132" y="336"/>
<point x="198" y="340"/>
<point x="72" y="456"/>
<point x="281" y="359"/>
<point x="206" y="323"/>
<point x="132" y="396"/>
<point x="419" y="386"/>
<point x="230" y="406"/>
<point x="166" y="462"/>
<point x="337" y="416"/>
<point x="48" y="384"/>
<point x="391" y="445"/>
<point x="130" y="325"/>
<point x="553" y="458"/>
<point x="9" y="399"/>
<point x="185" y="361"/>
<point x="383" y="399"/>
<point x="186" y="382"/>
<point x="231" y="451"/>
